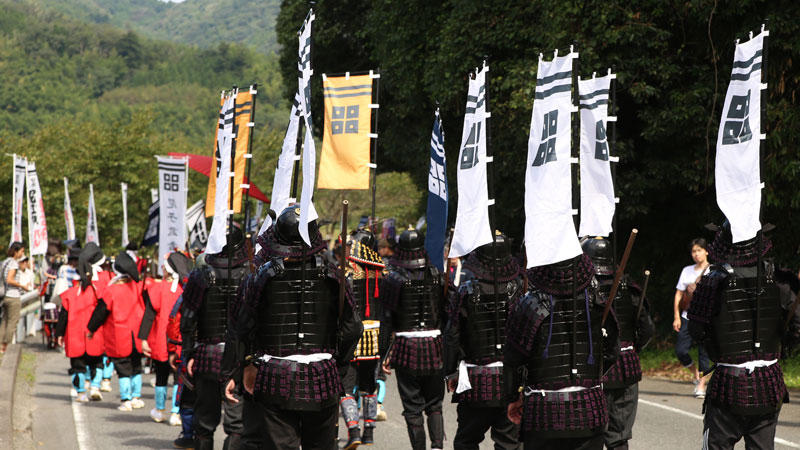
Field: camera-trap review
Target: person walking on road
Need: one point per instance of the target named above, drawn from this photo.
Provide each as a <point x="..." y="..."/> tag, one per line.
<point x="13" y="292"/>
<point x="687" y="282"/>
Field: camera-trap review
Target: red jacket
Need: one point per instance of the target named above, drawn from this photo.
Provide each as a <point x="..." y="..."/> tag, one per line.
<point x="126" y="308"/>
<point x="79" y="306"/>
<point x="163" y="299"/>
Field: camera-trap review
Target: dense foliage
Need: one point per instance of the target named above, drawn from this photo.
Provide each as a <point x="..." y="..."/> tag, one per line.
<point x="673" y="60"/>
<point x="204" y="23"/>
<point x="95" y="103"/>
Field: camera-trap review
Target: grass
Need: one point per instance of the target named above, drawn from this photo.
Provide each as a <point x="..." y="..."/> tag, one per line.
<point x="26" y="370"/>
<point x="659" y="360"/>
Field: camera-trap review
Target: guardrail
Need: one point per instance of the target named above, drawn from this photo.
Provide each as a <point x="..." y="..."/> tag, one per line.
<point x="29" y="315"/>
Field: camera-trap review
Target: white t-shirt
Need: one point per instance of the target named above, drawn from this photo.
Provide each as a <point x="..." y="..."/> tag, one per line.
<point x="689" y="275"/>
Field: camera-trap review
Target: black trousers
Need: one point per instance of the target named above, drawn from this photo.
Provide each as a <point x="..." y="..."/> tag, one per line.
<point x="537" y="442"/>
<point x="284" y="429"/>
<point x="78" y="365"/>
<point x="162" y="372"/>
<point x="128" y="366"/>
<point x="361" y="374"/>
<point x="422" y="393"/>
<point x="207" y="405"/>
<point x="621" y="415"/>
<point x="474" y="422"/>
<point x="722" y="429"/>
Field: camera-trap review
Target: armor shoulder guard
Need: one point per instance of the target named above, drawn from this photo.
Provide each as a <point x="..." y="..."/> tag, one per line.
<point x="195" y="288"/>
<point x="391" y="288"/>
<point x="273" y="268"/>
<point x="705" y="301"/>
<point x="524" y="322"/>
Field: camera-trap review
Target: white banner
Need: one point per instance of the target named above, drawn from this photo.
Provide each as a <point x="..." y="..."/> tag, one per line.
<point x="172" y="202"/>
<point x="20" y="168"/>
<point x="282" y="182"/>
<point x="472" y="227"/>
<point x="37" y="225"/>
<point x="597" y="186"/>
<point x="737" y="172"/>
<point x="92" y="235"/>
<point x="196" y="224"/>
<point x="125" y="240"/>
<point x="218" y="236"/>
<point x="549" y="230"/>
<point x="307" y="211"/>
<point x="69" y="221"/>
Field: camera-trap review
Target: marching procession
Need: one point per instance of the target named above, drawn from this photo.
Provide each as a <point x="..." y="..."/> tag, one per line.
<point x="286" y="335"/>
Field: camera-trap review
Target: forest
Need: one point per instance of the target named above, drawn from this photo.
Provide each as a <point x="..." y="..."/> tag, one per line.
<point x="673" y="60"/>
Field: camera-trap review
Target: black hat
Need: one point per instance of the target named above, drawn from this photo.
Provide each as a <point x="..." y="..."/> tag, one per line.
<point x="364" y="236"/>
<point x="234" y="240"/>
<point x="89" y="256"/>
<point x="362" y="248"/>
<point x="411" y="240"/>
<point x="287" y="230"/>
<point x="498" y="252"/>
<point x="125" y="265"/>
<point x="132" y="247"/>
<point x="73" y="253"/>
<point x="601" y="253"/>
<point x="179" y="263"/>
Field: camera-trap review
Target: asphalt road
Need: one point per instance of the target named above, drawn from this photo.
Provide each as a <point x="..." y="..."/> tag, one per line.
<point x="668" y="417"/>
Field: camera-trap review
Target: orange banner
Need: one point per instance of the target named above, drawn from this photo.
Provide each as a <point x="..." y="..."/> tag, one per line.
<point x="244" y="113"/>
<point x="344" y="160"/>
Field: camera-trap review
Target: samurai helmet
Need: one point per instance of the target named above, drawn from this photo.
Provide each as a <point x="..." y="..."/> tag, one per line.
<point x="600" y="251"/>
<point x="287" y="224"/>
<point x="235" y="239"/>
<point x="497" y="252"/>
<point x="364" y="236"/>
<point x="411" y="240"/>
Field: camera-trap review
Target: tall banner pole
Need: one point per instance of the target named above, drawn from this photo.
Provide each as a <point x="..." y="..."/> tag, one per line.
<point x="574" y="171"/>
<point x="612" y="125"/>
<point x="762" y="126"/>
<point x="124" y="189"/>
<point x="249" y="157"/>
<point x="235" y="91"/>
<point x="492" y="201"/>
<point x="374" y="137"/>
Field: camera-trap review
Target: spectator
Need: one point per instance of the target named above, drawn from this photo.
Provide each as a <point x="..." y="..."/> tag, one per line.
<point x="25" y="275"/>
<point x="687" y="282"/>
<point x="14" y="290"/>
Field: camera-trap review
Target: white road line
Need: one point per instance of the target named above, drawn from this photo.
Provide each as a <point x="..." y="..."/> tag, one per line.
<point x="81" y="428"/>
<point x="670" y="408"/>
<point x="699" y="417"/>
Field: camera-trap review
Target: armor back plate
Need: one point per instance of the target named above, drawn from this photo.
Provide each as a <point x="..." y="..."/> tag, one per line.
<point x="555" y="336"/>
<point x="733" y="329"/>
<point x="294" y="316"/>
<point x="420" y="302"/>
<point x="485" y="327"/>
<point x="213" y="318"/>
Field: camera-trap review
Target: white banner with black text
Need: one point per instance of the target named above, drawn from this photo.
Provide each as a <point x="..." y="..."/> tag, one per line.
<point x="737" y="167"/>
<point x="597" y="186"/>
<point x="549" y="229"/>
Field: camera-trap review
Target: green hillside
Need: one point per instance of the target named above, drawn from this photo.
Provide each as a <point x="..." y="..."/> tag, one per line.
<point x="204" y="23"/>
<point x="95" y="103"/>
